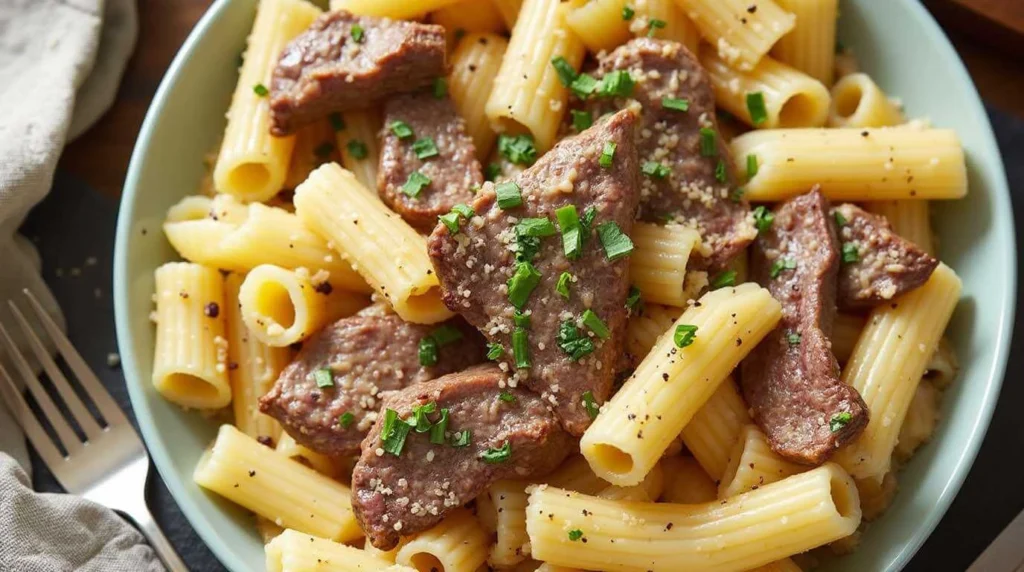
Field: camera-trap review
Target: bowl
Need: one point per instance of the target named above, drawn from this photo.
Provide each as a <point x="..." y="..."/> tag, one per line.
<point x="897" y="42"/>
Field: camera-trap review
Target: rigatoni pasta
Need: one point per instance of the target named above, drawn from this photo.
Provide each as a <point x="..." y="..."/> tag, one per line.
<point x="663" y="19"/>
<point x="468" y="16"/>
<point x="528" y="95"/>
<point x="360" y="146"/>
<point x="281" y="307"/>
<point x="887" y="365"/>
<point x="857" y="101"/>
<point x="190" y="363"/>
<point x="389" y="254"/>
<point x="658" y="264"/>
<point x="790" y="97"/>
<point x="293" y="551"/>
<point x="398" y="9"/>
<point x="275" y="487"/>
<point x="910" y="219"/>
<point x="646" y="326"/>
<point x="475" y="65"/>
<point x="811" y="45"/>
<point x="752" y="529"/>
<point x="455" y="544"/>
<point x="674" y="381"/>
<point x="739" y="35"/>
<point x="686" y="482"/>
<point x="314" y="144"/>
<point x="715" y="428"/>
<point x="253" y="164"/>
<point x="511" y="546"/>
<point x="599" y="24"/>
<point x="752" y="464"/>
<point x="855" y="164"/>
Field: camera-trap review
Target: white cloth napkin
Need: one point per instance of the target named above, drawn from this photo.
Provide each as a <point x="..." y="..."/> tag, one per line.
<point x="60" y="65"/>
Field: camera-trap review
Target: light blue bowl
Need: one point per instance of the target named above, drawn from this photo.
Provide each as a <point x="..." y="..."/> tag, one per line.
<point x="897" y="42"/>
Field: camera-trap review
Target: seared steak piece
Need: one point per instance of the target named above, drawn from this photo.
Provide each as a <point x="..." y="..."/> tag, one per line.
<point x="688" y="171"/>
<point x="424" y="134"/>
<point x="344" y="62"/>
<point x="878" y="265"/>
<point x="492" y="433"/>
<point x="791" y="380"/>
<point x="566" y="219"/>
<point x="367" y="356"/>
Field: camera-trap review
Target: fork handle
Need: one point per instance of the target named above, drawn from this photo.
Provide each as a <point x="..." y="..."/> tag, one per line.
<point x="163" y="547"/>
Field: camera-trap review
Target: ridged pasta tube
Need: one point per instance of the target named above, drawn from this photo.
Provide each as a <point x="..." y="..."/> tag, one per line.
<point x="293" y="551"/>
<point x="716" y="427"/>
<point x="857" y="101"/>
<point x="741" y="36"/>
<point x="644" y="328"/>
<point x="475" y="65"/>
<point x="910" y="219"/>
<point x="456" y="544"/>
<point x="686" y="482"/>
<point x="512" y="544"/>
<point x="811" y="45"/>
<point x="396" y="9"/>
<point x="658" y="264"/>
<point x="672" y="383"/>
<point x="360" y="146"/>
<point x="753" y="464"/>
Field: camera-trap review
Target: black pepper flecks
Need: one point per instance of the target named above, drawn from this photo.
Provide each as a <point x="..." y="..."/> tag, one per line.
<point x="211" y="310"/>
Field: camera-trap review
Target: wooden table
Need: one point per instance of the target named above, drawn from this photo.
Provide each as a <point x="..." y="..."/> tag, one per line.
<point x="100" y="156"/>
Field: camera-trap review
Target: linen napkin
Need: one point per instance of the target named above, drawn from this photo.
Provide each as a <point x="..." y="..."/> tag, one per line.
<point x="60" y="65"/>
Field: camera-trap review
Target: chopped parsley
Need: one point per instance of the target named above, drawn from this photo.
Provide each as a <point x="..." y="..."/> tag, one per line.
<point x="393" y="434"/>
<point x="590" y="405"/>
<point x="655" y="170"/>
<point x="723" y="279"/>
<point x="584" y="85"/>
<point x="763" y="218"/>
<point x="720" y="171"/>
<point x="425" y="148"/>
<point x="260" y="90"/>
<point x="840" y="219"/>
<point x="420" y="420"/>
<point x="675" y="104"/>
<point x="440" y="87"/>
<point x="616" y="84"/>
<point x="781" y="264"/>
<point x="519" y="149"/>
<point x="415" y="183"/>
<point x="566" y="73"/>
<point x="581" y="119"/>
<point x="437" y="430"/>
<point x="594" y="323"/>
<point x="562" y="287"/>
<point x="461" y="438"/>
<point x="520" y="319"/>
<point x="464" y="211"/>
<point x="522" y="284"/>
<point x="337" y="122"/>
<point x="575" y="534"/>
<point x="357" y="149"/>
<point x="572" y="341"/>
<point x="708" y="146"/>
<point x="751" y="166"/>
<point x="323" y="378"/>
<point x="850" y="253"/>
<point x="588" y="218"/>
<point x="607" y="155"/>
<point x="495" y="456"/>
<point x="793" y="338"/>
<point x="539" y="227"/>
<point x="653" y="25"/>
<point x="357" y="33"/>
<point x="507" y="396"/>
<point x="572" y="231"/>
<point x="684" y="335"/>
<point x="757" y="109"/>
<point x="628" y="13"/>
<point x="509" y="195"/>
<point x="428" y="351"/>
<point x="616" y="243"/>
<point x="521" y="348"/>
<point x="446" y="334"/>
<point x="634" y="301"/>
<point x="346" y="419"/>
<point x="450" y="220"/>
<point x="495" y="351"/>
<point x="839" y="420"/>
<point x="492" y="171"/>
<point x="401" y="129"/>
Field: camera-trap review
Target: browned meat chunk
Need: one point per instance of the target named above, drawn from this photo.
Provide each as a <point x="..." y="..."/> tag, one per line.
<point x="474" y="433"/>
<point x="364" y="358"/>
<point x="344" y="62"/>
<point x="543" y="269"/>
<point x="791" y="380"/>
<point x="687" y="167"/>
<point x="424" y="134"/>
<point x="878" y="265"/>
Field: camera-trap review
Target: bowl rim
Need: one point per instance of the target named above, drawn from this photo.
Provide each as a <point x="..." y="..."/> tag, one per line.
<point x="227" y="555"/>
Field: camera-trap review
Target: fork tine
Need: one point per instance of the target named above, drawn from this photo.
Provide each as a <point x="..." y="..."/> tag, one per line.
<point x="85" y="419"/>
<point x="100" y="396"/>
<point x="65" y="434"/>
<point x="27" y="420"/>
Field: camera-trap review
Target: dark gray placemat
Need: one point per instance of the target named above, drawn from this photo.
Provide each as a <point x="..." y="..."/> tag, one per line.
<point x="75" y="225"/>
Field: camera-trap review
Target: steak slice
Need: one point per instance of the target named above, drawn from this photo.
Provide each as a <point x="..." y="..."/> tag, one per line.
<point x="333" y="67"/>
<point x="369" y="355"/>
<point x="791" y="380"/>
<point x="878" y="264"/>
<point x="511" y="434"/>
<point x="699" y="189"/>
<point x="475" y="266"/>
<point x="421" y="125"/>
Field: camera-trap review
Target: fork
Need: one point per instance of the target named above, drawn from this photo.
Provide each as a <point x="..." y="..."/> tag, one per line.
<point x="110" y="466"/>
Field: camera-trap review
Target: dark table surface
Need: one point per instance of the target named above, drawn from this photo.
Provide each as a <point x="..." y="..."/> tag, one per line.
<point x="76" y="223"/>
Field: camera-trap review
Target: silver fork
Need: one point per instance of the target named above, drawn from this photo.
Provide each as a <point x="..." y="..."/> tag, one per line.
<point x="110" y="466"/>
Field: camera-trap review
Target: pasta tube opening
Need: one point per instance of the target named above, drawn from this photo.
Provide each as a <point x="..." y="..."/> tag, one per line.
<point x="250" y="175"/>
<point x="799" y="110"/>
<point x="181" y="387"/>
<point x="858" y="102"/>
<point x="276" y="302"/>
<point x="613" y="459"/>
<point x="426" y="562"/>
